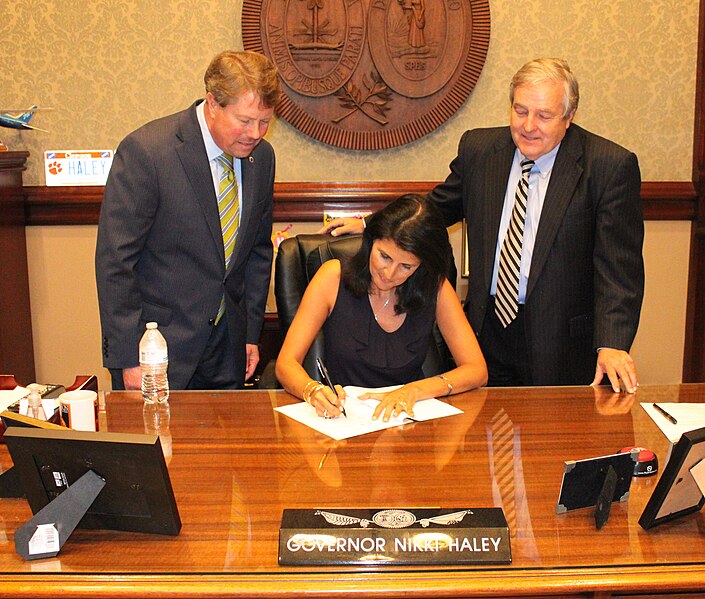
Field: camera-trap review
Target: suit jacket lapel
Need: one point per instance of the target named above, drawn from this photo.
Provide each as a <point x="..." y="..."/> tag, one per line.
<point x="564" y="178"/>
<point x="192" y="154"/>
<point x="496" y="175"/>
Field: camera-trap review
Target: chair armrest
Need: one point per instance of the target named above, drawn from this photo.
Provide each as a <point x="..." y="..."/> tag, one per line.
<point x="88" y="382"/>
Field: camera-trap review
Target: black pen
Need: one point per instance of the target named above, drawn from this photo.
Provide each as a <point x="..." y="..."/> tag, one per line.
<point x="665" y="414"/>
<point x="326" y="378"/>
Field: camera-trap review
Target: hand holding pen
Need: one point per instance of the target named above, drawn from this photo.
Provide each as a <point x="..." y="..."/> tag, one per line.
<point x="328" y="381"/>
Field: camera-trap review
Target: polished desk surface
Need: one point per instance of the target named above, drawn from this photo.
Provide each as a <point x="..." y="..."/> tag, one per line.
<point x="235" y="464"/>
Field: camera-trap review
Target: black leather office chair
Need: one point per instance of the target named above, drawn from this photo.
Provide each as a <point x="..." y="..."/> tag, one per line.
<point x="297" y="261"/>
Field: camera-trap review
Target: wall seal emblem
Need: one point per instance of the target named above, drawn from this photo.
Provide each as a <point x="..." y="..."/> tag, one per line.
<point x="370" y="74"/>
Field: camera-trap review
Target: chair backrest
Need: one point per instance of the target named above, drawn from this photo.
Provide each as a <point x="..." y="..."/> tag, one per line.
<point x="297" y="261"/>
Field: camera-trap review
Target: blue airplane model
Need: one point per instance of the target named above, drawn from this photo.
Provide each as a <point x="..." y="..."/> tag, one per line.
<point x="19" y="119"/>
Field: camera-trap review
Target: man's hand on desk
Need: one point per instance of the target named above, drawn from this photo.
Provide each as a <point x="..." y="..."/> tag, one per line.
<point x="619" y="367"/>
<point x="343" y="226"/>
<point x="132" y="378"/>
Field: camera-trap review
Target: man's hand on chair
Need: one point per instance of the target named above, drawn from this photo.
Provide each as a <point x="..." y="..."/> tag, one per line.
<point x="343" y="226"/>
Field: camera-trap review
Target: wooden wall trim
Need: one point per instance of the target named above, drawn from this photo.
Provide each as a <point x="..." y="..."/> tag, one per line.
<point x="62" y="205"/>
<point x="14" y="160"/>
<point x="306" y="201"/>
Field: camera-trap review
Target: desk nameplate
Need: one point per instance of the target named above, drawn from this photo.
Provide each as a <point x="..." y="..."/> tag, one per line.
<point x="394" y="536"/>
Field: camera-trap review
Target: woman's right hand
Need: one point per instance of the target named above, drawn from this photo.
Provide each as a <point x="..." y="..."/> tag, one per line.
<point x="327" y="403"/>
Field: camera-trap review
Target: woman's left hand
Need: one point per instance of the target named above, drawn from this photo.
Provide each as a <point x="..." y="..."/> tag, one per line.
<point x="393" y="402"/>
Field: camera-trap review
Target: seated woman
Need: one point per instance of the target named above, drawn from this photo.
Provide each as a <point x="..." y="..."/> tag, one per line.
<point x="377" y="312"/>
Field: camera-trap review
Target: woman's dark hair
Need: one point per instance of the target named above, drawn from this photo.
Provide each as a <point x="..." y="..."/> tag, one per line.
<point x="416" y="226"/>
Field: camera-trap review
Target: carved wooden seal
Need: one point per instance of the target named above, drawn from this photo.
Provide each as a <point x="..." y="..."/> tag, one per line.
<point x="370" y="75"/>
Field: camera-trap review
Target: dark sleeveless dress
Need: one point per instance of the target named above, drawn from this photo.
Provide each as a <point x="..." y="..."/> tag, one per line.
<point x="359" y="352"/>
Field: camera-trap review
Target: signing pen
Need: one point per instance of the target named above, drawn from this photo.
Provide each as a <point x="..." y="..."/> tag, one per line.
<point x="328" y="381"/>
<point x="665" y="414"/>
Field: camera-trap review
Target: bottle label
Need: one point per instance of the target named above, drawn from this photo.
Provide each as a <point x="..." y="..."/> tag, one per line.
<point x="153" y="357"/>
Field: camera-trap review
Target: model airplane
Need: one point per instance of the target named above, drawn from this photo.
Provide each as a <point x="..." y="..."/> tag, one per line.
<point x="19" y="119"/>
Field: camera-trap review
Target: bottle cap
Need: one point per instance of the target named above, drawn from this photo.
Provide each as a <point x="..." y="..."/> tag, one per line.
<point x="152" y="325"/>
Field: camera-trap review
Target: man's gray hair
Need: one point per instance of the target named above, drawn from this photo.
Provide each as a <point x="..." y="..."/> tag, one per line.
<point x="540" y="70"/>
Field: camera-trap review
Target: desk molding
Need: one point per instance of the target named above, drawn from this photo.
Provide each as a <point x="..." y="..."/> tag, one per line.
<point x="306" y="201"/>
<point x="584" y="583"/>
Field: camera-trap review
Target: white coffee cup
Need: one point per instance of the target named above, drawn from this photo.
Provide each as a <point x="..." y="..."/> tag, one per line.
<point x="79" y="409"/>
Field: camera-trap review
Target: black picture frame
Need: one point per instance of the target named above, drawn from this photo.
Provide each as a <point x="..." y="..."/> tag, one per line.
<point x="583" y="480"/>
<point x="677" y="494"/>
<point x="138" y="495"/>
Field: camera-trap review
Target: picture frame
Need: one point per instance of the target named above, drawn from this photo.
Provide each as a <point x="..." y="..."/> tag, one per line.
<point x="138" y="495"/>
<point x="583" y="480"/>
<point x="678" y="492"/>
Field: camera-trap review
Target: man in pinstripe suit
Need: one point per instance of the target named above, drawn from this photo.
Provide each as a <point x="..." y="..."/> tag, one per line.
<point x="160" y="253"/>
<point x="581" y="281"/>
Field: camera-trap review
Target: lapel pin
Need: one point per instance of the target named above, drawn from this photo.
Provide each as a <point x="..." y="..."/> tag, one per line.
<point x="252" y="160"/>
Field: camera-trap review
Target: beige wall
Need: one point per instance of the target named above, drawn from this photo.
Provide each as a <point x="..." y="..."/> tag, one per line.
<point x="67" y="333"/>
<point x="65" y="323"/>
<point x="659" y="344"/>
<point x="106" y="67"/>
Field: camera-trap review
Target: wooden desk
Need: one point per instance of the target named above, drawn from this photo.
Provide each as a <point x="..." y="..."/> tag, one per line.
<point x="235" y="465"/>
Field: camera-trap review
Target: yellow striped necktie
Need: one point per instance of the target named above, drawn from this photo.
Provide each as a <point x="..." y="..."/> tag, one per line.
<point x="229" y="212"/>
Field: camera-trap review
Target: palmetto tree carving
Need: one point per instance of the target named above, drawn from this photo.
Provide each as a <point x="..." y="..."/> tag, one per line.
<point x="316" y="31"/>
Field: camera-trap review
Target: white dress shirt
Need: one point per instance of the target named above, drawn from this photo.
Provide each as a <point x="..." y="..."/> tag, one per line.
<point x="213" y="151"/>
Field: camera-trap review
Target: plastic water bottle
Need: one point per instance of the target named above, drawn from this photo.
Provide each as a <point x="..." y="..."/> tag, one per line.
<point x="154" y="361"/>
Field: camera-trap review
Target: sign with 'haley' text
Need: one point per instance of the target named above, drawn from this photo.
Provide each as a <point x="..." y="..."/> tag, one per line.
<point x="394" y="536"/>
<point x="77" y="167"/>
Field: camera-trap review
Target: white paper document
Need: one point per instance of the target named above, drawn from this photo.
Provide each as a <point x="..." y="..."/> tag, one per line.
<point x="689" y="416"/>
<point x="359" y="414"/>
<point x="9" y="397"/>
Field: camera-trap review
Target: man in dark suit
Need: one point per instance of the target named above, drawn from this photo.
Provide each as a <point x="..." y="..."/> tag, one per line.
<point x="578" y="255"/>
<point x="160" y="253"/>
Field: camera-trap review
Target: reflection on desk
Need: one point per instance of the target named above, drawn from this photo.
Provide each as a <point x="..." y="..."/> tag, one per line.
<point x="236" y="464"/>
